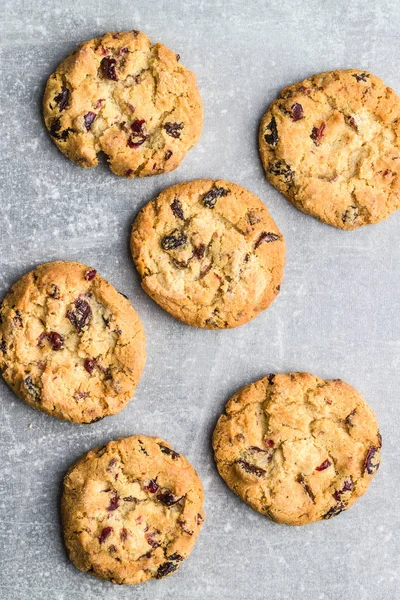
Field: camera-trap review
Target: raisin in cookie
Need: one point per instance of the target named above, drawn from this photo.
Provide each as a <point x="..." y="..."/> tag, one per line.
<point x="131" y="510"/>
<point x="297" y="448"/>
<point x="122" y="95"/>
<point x="209" y="253"/>
<point x="331" y="145"/>
<point x="70" y="344"/>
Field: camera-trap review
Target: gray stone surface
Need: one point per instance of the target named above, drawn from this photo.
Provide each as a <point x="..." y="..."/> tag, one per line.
<point x="337" y="315"/>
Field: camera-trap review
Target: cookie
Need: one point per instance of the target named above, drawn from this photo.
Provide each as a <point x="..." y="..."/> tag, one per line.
<point x="124" y="96"/>
<point x="131" y="510"/>
<point x="209" y="253"/>
<point x="71" y="346"/>
<point x="331" y="145"/>
<point x="297" y="448"/>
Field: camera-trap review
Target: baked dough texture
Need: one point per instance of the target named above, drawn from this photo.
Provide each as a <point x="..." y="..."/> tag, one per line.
<point x="131" y="510"/>
<point x="209" y="253"/>
<point x="71" y="346"/>
<point x="297" y="448"/>
<point x="124" y="96"/>
<point x="331" y="145"/>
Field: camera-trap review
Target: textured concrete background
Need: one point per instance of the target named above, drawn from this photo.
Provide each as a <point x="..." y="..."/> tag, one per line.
<point x="337" y="314"/>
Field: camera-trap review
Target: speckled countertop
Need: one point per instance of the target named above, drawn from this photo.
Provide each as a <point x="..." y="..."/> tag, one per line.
<point x="337" y="314"/>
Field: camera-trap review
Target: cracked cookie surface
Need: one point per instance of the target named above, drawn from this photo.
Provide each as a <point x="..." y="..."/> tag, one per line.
<point x="131" y="510"/>
<point x="122" y="95"/>
<point x="209" y="253"/>
<point x="71" y="346"/>
<point x="331" y="145"/>
<point x="297" y="448"/>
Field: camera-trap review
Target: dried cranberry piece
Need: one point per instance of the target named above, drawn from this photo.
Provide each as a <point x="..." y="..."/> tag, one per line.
<point x="81" y="315"/>
<point x="168" y="155"/>
<point x="90" y="274"/>
<point x="296" y="111"/>
<point x="152" y="486"/>
<point x="169" y="451"/>
<point x="62" y="98"/>
<point x="173" y="129"/>
<point x="55" y="292"/>
<point x="176" y="239"/>
<point x="88" y="119"/>
<point x="349" y="418"/>
<point x="176" y="208"/>
<point x="123" y="534"/>
<point x="56" y="340"/>
<point x="149" y="537"/>
<point x="138" y="135"/>
<point x="89" y="364"/>
<point x="55" y="130"/>
<point x="99" y="103"/>
<point x="335" y="510"/>
<point x="252" y="469"/>
<point x="347" y="487"/>
<point x="210" y="199"/>
<point x="175" y="556"/>
<point x="327" y="463"/>
<point x="300" y="479"/>
<point x="104" y="534"/>
<point x="266" y="236"/>
<point x="41" y="337"/>
<point x="166" y="569"/>
<point x="318" y="133"/>
<point x="199" y="252"/>
<point x="107" y="66"/>
<point x="114" y="502"/>
<point x="361" y="76"/>
<point x="271" y="135"/>
<point x="370" y="466"/>
<point x="269" y="443"/>
<point x="167" y="498"/>
<point x="253" y="218"/>
<point x="33" y="389"/>
<point x="112" y="463"/>
<point x="281" y="167"/>
<point x="351" y="121"/>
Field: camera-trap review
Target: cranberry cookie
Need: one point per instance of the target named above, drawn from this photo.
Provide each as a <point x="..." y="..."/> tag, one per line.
<point x="297" y="448"/>
<point x="131" y="510"/>
<point x="331" y="145"/>
<point x="70" y="344"/>
<point x="122" y="95"/>
<point x="209" y="253"/>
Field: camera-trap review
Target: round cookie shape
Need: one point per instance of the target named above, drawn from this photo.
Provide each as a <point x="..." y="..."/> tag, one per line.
<point x="297" y="448"/>
<point x="124" y="96"/>
<point x="131" y="510"/>
<point x="71" y="346"/>
<point x="209" y="253"/>
<point x="331" y="145"/>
